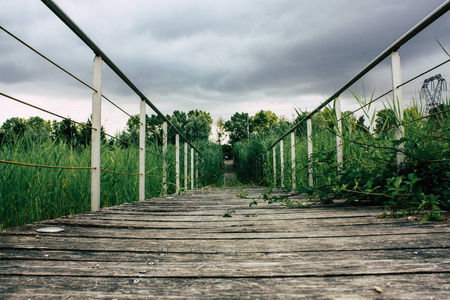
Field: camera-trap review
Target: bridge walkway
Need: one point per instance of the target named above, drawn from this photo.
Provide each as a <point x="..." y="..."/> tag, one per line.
<point x="211" y="244"/>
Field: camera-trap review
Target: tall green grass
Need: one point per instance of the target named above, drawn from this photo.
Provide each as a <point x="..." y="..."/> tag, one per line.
<point x="369" y="171"/>
<point x="30" y="194"/>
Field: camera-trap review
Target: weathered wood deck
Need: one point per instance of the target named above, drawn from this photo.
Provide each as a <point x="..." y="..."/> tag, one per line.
<point x="183" y="247"/>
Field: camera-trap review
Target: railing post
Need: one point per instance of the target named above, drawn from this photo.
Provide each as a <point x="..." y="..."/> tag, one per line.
<point x="192" y="168"/>
<point x="185" y="166"/>
<point x="339" y="146"/>
<point x="398" y="105"/>
<point x="142" y="132"/>
<point x="203" y="171"/>
<point x="164" y="166"/>
<point x="282" y="163"/>
<point x="177" y="162"/>
<point x="96" y="133"/>
<point x="262" y="165"/>
<point x="196" y="169"/>
<point x="294" y="178"/>
<point x="310" y="152"/>
<point x="274" y="154"/>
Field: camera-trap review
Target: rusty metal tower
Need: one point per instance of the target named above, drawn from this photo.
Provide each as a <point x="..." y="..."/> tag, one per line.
<point x="433" y="94"/>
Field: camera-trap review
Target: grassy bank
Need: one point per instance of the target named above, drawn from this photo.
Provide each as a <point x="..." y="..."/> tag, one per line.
<point x="29" y="194"/>
<point x="369" y="171"/>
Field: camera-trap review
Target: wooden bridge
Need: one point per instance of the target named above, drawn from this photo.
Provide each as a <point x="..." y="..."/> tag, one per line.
<point x="183" y="247"/>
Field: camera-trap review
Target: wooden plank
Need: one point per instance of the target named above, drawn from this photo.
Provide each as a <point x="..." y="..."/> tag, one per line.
<point x="55" y="242"/>
<point x="412" y="286"/>
<point x="183" y="247"/>
<point x="376" y="231"/>
<point x="146" y="257"/>
<point x="236" y="269"/>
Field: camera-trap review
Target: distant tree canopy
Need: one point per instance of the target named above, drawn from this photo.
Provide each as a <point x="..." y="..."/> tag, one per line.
<point x="239" y="127"/>
<point x="36" y="129"/>
<point x="326" y="119"/>
<point x="195" y="126"/>
<point x="130" y="135"/>
<point x="263" y="121"/>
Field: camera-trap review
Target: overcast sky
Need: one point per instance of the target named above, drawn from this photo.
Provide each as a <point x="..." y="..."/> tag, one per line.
<point x="219" y="56"/>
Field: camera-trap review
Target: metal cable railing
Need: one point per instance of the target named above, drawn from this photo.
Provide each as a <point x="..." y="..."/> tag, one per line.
<point x="436" y="14"/>
<point x="291" y="165"/>
<point x="159" y="152"/>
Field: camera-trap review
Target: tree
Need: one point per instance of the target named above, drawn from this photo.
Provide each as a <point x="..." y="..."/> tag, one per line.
<point x="196" y="113"/>
<point x="65" y="131"/>
<point x="198" y="125"/>
<point x="179" y="120"/>
<point x="195" y="125"/>
<point x="263" y="121"/>
<point x="14" y="128"/>
<point x="281" y="127"/>
<point x="85" y="133"/>
<point x="221" y="134"/>
<point x="360" y="126"/>
<point x="300" y="131"/>
<point x="130" y="135"/>
<point x="239" y="127"/>
<point x="197" y="128"/>
<point x="439" y="116"/>
<point x="385" y="119"/>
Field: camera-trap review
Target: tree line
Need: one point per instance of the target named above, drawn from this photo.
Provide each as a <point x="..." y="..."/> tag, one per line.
<point x="196" y="125"/>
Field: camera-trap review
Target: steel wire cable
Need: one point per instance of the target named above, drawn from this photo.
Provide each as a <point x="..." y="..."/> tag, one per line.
<point x="120" y="173"/>
<point x="46" y="111"/>
<point x="45" y="166"/>
<point x="47" y="59"/>
<point x="98" y="52"/>
<point x="356" y="110"/>
<point x="57" y="115"/>
<point x="61" y="68"/>
<point x="421" y="74"/>
<point x="73" y="121"/>
<point x="129" y="174"/>
<point x="390" y="91"/>
<point x="406" y="162"/>
<point x="386" y="93"/>
<point x="348" y="141"/>
<point x="377" y="147"/>
<point x="119" y="108"/>
<point x="132" y="145"/>
<point x="404" y="83"/>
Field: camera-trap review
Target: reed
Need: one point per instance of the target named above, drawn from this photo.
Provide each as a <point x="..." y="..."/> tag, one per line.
<point x="369" y="171"/>
<point x="30" y="194"/>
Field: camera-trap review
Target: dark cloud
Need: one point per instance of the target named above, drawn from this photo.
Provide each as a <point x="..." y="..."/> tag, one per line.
<point x="188" y="53"/>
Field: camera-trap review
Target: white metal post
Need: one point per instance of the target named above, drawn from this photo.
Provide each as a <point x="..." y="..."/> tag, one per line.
<point x="310" y="152"/>
<point x="177" y="162"/>
<point x="339" y="146"/>
<point x="282" y="163"/>
<point x="197" y="166"/>
<point x="96" y="133"/>
<point x="185" y="166"/>
<point x="164" y="166"/>
<point x="398" y="105"/>
<point x="142" y="127"/>
<point x="203" y="170"/>
<point x="274" y="154"/>
<point x="192" y="168"/>
<point x="294" y="185"/>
